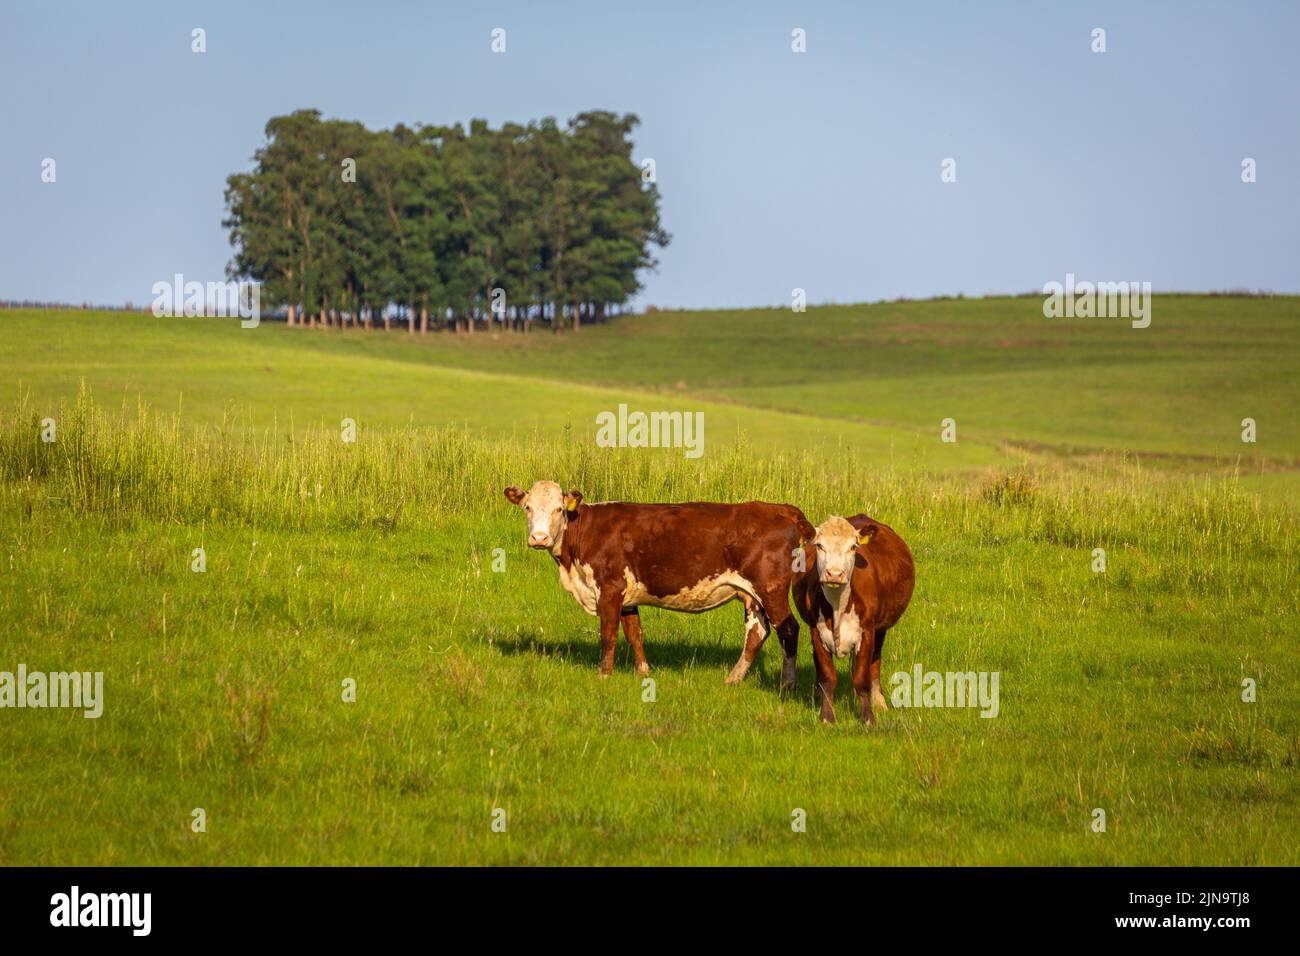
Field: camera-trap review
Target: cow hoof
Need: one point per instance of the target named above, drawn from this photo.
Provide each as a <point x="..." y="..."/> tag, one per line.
<point x="878" y="703"/>
<point x="643" y="669"/>
<point x="737" y="675"/>
<point x="787" y="688"/>
<point x="601" y="672"/>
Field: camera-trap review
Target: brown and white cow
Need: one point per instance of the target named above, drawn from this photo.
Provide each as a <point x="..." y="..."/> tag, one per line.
<point x="851" y="596"/>
<point x="615" y="557"/>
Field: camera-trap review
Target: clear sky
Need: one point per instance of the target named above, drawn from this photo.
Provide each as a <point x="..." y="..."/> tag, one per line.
<point x="778" y="170"/>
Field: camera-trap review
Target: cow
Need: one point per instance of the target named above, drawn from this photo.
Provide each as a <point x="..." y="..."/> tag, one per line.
<point x="615" y="557"/>
<point x="850" y="596"/>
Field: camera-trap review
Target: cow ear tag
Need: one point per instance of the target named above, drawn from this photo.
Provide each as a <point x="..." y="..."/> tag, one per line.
<point x="867" y="532"/>
<point x="571" y="505"/>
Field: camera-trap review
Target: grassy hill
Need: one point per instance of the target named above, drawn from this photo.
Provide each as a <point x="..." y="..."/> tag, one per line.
<point x="879" y="378"/>
<point x="476" y="689"/>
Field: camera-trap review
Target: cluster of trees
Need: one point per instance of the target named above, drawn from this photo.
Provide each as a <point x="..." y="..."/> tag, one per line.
<point x="445" y="227"/>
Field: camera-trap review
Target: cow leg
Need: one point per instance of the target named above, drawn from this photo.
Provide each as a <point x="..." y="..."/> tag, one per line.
<point x="862" y="678"/>
<point x="631" y="619"/>
<point x="757" y="627"/>
<point x="877" y="698"/>
<point x="787" y="631"/>
<point x="826" y="677"/>
<point x="609" y="610"/>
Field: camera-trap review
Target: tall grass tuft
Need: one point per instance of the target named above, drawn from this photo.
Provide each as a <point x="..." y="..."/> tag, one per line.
<point x="126" y="467"/>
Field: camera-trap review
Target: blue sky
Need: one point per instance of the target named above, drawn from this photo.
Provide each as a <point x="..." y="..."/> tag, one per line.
<point x="778" y="170"/>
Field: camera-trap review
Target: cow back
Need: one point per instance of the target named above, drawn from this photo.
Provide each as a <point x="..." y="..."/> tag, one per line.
<point x="667" y="547"/>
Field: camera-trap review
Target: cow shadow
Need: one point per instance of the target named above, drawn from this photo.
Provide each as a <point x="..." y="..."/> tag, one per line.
<point x="666" y="655"/>
<point x="585" y="653"/>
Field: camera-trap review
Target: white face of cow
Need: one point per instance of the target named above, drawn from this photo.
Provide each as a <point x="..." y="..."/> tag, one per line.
<point x="837" y="544"/>
<point x="547" y="508"/>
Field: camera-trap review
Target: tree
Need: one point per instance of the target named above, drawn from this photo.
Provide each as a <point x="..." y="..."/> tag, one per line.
<point x="438" y="218"/>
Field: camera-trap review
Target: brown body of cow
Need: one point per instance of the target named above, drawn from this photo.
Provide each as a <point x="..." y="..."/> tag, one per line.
<point x="852" y="617"/>
<point x="615" y="557"/>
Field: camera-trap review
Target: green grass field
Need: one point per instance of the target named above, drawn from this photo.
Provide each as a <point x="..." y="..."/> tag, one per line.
<point x="476" y="689"/>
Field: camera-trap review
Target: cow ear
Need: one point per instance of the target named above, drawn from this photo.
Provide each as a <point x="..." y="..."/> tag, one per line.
<point x="571" y="502"/>
<point x="867" y="533"/>
<point x="514" y="495"/>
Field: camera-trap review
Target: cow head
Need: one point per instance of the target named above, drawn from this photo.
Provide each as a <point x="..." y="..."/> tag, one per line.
<point x="837" y="543"/>
<point x="548" y="510"/>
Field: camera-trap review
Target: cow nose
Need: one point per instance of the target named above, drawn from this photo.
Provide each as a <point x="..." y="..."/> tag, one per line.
<point x="834" y="577"/>
<point x="539" y="539"/>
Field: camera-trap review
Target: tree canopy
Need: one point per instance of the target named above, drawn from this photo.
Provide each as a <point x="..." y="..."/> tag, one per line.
<point x="445" y="224"/>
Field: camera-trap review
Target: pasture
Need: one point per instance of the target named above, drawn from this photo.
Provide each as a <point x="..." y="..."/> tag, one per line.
<point x="476" y="687"/>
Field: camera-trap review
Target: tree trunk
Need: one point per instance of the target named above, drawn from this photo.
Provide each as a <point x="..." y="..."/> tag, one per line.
<point x="388" y="321"/>
<point x="291" y="310"/>
<point x="424" y="316"/>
